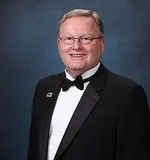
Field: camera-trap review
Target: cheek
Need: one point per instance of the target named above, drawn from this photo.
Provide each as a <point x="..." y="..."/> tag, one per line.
<point x="64" y="49"/>
<point x="93" y="53"/>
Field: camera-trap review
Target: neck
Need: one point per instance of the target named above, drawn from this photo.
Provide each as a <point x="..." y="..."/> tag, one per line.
<point x="75" y="73"/>
<point x="85" y="73"/>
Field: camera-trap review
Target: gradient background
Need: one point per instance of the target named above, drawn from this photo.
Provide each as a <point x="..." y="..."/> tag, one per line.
<point x="28" y="52"/>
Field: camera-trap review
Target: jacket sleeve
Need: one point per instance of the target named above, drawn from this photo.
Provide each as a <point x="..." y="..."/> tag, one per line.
<point x="133" y="131"/>
<point x="33" y="148"/>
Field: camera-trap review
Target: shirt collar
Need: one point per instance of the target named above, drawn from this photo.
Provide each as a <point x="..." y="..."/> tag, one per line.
<point x="85" y="75"/>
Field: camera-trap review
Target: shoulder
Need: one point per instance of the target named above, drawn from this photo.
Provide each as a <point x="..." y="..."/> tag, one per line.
<point x="125" y="90"/>
<point x="51" y="79"/>
<point x="122" y="85"/>
<point x="50" y="82"/>
<point x="120" y="80"/>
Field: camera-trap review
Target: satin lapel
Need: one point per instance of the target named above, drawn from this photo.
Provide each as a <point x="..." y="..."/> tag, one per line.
<point x="50" y="95"/>
<point x="91" y="96"/>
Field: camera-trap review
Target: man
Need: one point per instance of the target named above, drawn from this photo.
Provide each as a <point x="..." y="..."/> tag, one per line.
<point x="104" y="118"/>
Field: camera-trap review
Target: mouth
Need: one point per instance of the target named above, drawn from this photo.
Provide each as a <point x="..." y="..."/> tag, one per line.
<point x="77" y="55"/>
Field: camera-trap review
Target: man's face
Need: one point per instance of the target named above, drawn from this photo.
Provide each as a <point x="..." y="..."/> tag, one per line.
<point x="79" y="57"/>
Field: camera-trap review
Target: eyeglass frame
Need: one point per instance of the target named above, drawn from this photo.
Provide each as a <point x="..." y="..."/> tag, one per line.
<point x="80" y="39"/>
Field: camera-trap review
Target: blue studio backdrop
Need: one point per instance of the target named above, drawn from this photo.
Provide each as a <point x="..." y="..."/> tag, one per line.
<point x="28" y="52"/>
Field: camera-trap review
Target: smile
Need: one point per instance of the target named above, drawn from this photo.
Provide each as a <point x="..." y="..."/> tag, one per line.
<point x="77" y="55"/>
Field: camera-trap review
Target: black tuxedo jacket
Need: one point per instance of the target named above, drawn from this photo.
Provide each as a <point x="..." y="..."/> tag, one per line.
<point x="111" y="121"/>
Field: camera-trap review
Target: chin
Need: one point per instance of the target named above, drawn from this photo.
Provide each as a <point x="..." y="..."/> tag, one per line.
<point x="77" y="68"/>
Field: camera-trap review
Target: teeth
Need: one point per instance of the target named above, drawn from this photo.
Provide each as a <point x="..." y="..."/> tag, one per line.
<point x="76" y="55"/>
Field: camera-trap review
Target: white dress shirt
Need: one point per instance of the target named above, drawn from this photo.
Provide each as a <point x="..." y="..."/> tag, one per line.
<point x="65" y="106"/>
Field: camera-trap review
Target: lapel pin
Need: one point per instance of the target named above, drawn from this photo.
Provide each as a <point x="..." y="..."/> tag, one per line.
<point x="49" y="94"/>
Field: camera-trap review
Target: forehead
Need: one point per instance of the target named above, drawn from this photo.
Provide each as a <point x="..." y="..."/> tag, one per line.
<point x="79" y="24"/>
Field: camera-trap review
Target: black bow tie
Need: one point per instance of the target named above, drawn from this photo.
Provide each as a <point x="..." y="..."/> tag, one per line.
<point x="78" y="82"/>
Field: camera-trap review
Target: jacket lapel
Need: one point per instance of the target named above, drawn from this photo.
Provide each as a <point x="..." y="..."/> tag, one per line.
<point x="49" y="95"/>
<point x="91" y="96"/>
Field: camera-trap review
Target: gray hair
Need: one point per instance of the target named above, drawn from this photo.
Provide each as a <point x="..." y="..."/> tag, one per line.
<point x="86" y="13"/>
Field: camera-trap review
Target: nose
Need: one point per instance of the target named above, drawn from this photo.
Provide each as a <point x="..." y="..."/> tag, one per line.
<point x="76" y="44"/>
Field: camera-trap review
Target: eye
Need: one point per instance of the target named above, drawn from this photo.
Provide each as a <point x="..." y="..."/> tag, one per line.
<point x="68" y="38"/>
<point x="86" y="38"/>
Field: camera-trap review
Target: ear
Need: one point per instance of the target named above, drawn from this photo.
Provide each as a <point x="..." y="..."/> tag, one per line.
<point x="102" y="45"/>
<point x="58" y="41"/>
